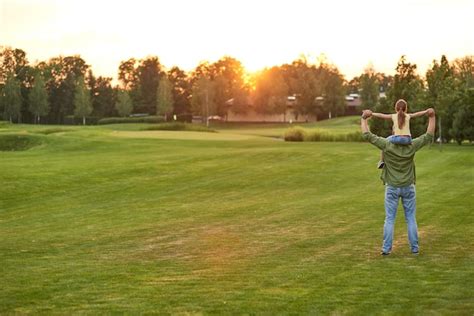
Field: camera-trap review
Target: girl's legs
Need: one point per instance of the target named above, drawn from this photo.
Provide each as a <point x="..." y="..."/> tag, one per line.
<point x="400" y="140"/>
<point x="381" y="163"/>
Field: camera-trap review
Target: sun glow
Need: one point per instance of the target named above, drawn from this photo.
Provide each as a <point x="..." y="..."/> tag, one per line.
<point x="258" y="33"/>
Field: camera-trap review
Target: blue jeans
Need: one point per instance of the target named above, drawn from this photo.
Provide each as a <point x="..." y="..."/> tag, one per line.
<point x="392" y="196"/>
<point x="400" y="140"/>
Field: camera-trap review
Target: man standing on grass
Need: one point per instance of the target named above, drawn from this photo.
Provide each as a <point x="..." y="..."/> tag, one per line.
<point x="399" y="177"/>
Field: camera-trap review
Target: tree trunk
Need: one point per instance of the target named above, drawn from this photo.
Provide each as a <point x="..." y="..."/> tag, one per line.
<point x="83" y="120"/>
<point x="440" y="135"/>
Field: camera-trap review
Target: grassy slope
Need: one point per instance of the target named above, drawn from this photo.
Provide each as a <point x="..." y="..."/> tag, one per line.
<point x="342" y="125"/>
<point x="95" y="223"/>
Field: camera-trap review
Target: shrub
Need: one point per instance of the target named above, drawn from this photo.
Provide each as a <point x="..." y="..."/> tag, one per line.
<point x="295" y="134"/>
<point x="138" y="119"/>
<point x="53" y="130"/>
<point x="4" y="124"/>
<point x="318" y="136"/>
<point x="12" y="142"/>
<point x="178" y="126"/>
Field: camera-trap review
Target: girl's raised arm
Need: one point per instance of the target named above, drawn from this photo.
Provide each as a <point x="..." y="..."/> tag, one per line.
<point x="382" y="116"/>
<point x="417" y="114"/>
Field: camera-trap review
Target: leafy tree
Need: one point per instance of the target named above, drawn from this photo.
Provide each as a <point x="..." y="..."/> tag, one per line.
<point x="149" y="75"/>
<point x="463" y="123"/>
<point x="441" y="94"/>
<point x="124" y="104"/>
<point x="464" y="71"/>
<point x="128" y="75"/>
<point x="381" y="127"/>
<point x="271" y="92"/>
<point x="228" y="76"/>
<point x="62" y="74"/>
<point x="369" y="93"/>
<point x="301" y="79"/>
<point x="406" y="85"/>
<point x="181" y="90"/>
<point x="82" y="100"/>
<point x="12" y="61"/>
<point x="202" y="100"/>
<point x="164" y="104"/>
<point x="38" y="98"/>
<point x="102" y="97"/>
<point x="12" y="98"/>
<point x="463" y="107"/>
<point x="333" y="93"/>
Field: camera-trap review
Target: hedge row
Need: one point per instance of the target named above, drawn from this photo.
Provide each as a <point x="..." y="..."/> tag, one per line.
<point x="298" y="134"/>
<point x="178" y="126"/>
<point x="137" y="119"/>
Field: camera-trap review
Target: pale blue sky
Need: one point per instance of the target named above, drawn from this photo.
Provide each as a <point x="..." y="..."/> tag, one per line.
<point x="262" y="33"/>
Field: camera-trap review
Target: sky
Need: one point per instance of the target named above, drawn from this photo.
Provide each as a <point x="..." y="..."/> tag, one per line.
<point x="260" y="33"/>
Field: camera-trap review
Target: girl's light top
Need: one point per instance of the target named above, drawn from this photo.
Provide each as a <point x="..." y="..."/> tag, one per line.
<point x="406" y="128"/>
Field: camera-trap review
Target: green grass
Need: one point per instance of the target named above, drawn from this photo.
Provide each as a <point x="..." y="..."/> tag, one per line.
<point x="117" y="220"/>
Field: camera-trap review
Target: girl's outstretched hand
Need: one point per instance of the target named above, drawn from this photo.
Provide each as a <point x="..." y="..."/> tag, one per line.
<point x="430" y="112"/>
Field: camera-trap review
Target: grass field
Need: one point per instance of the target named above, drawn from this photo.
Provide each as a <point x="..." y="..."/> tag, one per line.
<point x="112" y="219"/>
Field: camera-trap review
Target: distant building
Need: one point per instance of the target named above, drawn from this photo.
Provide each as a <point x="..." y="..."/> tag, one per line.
<point x="353" y="104"/>
<point x="251" y="115"/>
<point x="353" y="107"/>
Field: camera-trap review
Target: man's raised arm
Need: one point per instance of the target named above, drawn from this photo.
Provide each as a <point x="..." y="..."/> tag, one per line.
<point x="431" y="121"/>
<point x="367" y="135"/>
<point x="363" y="121"/>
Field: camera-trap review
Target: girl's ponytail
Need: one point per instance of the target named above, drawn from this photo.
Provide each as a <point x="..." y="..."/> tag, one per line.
<point x="401" y="108"/>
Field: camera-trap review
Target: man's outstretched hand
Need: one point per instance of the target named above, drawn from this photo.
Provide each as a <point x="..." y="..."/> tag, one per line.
<point x="366" y="114"/>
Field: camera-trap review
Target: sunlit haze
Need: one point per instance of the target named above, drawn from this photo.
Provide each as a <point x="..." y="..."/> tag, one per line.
<point x="351" y="34"/>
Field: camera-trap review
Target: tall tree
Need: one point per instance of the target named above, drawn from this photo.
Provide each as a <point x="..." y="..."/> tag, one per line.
<point x="406" y="85"/>
<point x="369" y="93"/>
<point x="103" y="97"/>
<point x="38" y="98"/>
<point x="441" y="87"/>
<point x="82" y="100"/>
<point x="62" y="74"/>
<point x="302" y="83"/>
<point x="181" y="89"/>
<point x="149" y="74"/>
<point x="12" y="61"/>
<point x="123" y="104"/>
<point x="202" y="100"/>
<point x="12" y="99"/>
<point x="128" y="75"/>
<point x="463" y="106"/>
<point x="334" y="98"/>
<point x="271" y="92"/>
<point x="228" y="76"/>
<point x="164" y="102"/>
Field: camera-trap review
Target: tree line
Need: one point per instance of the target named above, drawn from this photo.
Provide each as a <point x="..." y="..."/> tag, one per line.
<point x="64" y="88"/>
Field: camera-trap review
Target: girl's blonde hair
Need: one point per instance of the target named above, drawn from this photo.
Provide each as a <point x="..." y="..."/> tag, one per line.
<point x="401" y="107"/>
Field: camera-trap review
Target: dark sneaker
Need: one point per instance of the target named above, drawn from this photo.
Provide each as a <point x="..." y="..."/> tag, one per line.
<point x="383" y="253"/>
<point x="416" y="253"/>
<point x="380" y="164"/>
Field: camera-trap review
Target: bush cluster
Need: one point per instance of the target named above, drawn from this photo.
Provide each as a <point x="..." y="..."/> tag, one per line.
<point x="178" y="126"/>
<point x="295" y="134"/>
<point x="14" y="142"/>
<point x="139" y="119"/>
<point x="298" y="134"/>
